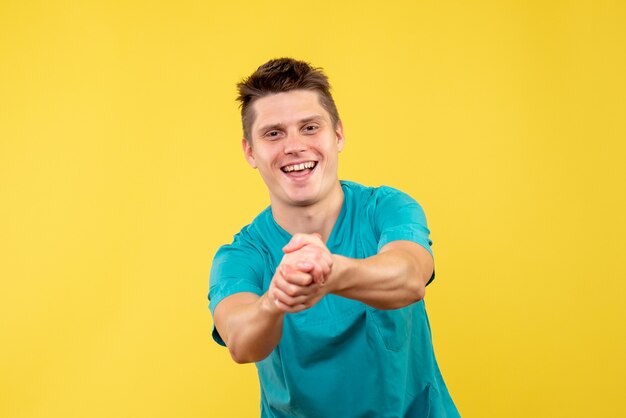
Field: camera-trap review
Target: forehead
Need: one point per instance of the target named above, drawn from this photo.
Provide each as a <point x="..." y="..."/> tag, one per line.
<point x="287" y="108"/>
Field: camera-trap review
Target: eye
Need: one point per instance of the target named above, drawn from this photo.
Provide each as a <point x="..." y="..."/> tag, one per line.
<point x="311" y="128"/>
<point x="274" y="134"/>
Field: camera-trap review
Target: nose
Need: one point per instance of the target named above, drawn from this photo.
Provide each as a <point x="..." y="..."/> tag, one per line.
<point x="295" y="143"/>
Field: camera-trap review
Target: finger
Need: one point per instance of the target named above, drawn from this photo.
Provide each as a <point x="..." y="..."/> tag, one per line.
<point x="294" y="282"/>
<point x="303" y="273"/>
<point x="315" y="254"/>
<point x="292" y="304"/>
<point x="300" y="240"/>
<point x="289" y="309"/>
<point x="290" y="301"/>
<point x="295" y="277"/>
<point x="319" y="279"/>
<point x="321" y="271"/>
<point x="309" y="258"/>
<point x="317" y="269"/>
<point x="292" y="290"/>
<point x="326" y="270"/>
<point x="294" y="244"/>
<point x="305" y="266"/>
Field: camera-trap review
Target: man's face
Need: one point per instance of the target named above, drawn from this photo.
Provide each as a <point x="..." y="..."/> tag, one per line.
<point x="294" y="145"/>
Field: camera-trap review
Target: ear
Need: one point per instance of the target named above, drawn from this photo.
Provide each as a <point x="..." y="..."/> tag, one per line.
<point x="339" y="134"/>
<point x="247" y="152"/>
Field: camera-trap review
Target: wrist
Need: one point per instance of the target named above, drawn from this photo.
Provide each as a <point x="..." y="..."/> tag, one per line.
<point x="267" y="306"/>
<point x="340" y="272"/>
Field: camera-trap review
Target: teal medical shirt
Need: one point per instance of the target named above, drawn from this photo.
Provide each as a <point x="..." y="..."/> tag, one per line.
<point x="341" y="358"/>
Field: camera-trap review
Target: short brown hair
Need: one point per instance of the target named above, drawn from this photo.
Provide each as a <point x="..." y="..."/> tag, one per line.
<point x="279" y="76"/>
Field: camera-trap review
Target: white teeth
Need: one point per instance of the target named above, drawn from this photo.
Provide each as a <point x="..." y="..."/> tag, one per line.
<point x="299" y="167"/>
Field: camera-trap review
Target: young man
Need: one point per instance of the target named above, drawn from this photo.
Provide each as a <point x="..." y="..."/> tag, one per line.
<point x="324" y="289"/>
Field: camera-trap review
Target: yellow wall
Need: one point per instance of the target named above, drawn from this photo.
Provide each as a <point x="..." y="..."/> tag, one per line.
<point x="121" y="173"/>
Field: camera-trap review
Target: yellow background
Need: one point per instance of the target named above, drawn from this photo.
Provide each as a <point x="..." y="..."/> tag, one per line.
<point x="121" y="173"/>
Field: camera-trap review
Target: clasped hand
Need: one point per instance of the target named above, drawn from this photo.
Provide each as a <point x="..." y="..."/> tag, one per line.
<point x="298" y="283"/>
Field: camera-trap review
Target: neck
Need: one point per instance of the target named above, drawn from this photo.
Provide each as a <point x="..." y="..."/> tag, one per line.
<point x="319" y="217"/>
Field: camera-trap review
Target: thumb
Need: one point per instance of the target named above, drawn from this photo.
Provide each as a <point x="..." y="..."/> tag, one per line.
<point x="294" y="244"/>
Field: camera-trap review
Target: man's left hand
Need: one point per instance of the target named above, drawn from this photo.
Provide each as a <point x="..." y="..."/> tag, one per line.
<point x="308" y="253"/>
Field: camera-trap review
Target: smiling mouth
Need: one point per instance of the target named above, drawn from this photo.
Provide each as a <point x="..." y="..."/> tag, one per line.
<point x="299" y="168"/>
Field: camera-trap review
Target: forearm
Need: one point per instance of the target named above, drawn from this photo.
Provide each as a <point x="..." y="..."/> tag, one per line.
<point x="388" y="280"/>
<point x="251" y="330"/>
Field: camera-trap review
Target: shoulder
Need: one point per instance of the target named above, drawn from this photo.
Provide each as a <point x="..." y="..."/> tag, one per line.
<point x="389" y="197"/>
<point x="247" y="245"/>
<point x="376" y="197"/>
<point x="357" y="193"/>
<point x="239" y="266"/>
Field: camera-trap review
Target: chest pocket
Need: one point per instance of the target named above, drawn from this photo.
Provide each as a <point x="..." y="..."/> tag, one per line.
<point x="393" y="326"/>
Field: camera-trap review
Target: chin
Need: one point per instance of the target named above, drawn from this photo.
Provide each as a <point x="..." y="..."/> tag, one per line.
<point x="302" y="199"/>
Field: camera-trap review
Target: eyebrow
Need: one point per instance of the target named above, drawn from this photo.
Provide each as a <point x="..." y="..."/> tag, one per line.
<point x="312" y="118"/>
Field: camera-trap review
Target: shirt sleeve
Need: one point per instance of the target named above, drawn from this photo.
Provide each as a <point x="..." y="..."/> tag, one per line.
<point x="399" y="217"/>
<point x="236" y="268"/>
